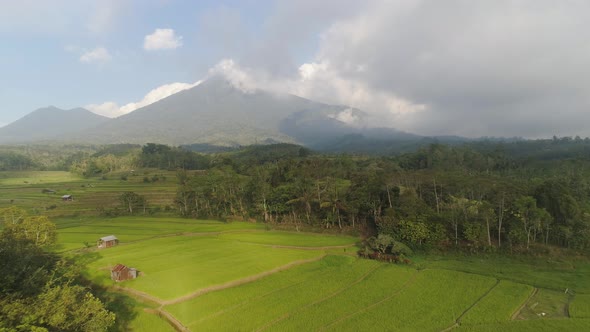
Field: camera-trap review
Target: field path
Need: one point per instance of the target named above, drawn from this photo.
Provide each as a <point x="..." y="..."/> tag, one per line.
<point x="176" y="324"/>
<point x="517" y="312"/>
<point x="325" y="298"/>
<point x="229" y="284"/>
<point x="409" y="282"/>
<point x="458" y="320"/>
<point x="239" y="282"/>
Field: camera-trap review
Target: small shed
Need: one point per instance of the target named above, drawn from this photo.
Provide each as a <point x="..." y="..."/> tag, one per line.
<point x="107" y="241"/>
<point x="121" y="272"/>
<point x="67" y="198"/>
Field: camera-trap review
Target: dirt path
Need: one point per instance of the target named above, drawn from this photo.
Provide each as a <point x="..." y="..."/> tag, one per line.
<point x="229" y="284"/>
<point x="408" y="283"/>
<point x="287" y="315"/>
<point x="175" y="323"/>
<point x="517" y="312"/>
<point x="242" y="281"/>
<point x="143" y="296"/>
<point x="458" y="320"/>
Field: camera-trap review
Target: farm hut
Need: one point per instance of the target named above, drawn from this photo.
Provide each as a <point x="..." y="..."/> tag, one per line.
<point x="121" y="272"/>
<point x="107" y="241"/>
<point x="67" y="198"/>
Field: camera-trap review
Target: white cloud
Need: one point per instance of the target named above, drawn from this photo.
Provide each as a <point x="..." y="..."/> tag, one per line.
<point x="162" y="39"/>
<point x="477" y="67"/>
<point x="113" y="110"/>
<point x="321" y="82"/>
<point x="99" y="54"/>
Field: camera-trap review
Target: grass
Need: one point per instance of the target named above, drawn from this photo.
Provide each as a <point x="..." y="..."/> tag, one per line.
<point x="434" y="300"/>
<point x="292" y="239"/>
<point x="25" y="189"/>
<point x="244" y="308"/>
<point x="149" y="322"/>
<point x="337" y="292"/>
<point x="546" y="304"/>
<point x="177" y="266"/>
<point x="539" y="325"/>
<point x="75" y="233"/>
<point x="354" y="299"/>
<point x="12" y="178"/>
<point x="580" y="307"/>
<point x="499" y="305"/>
<point x="556" y="274"/>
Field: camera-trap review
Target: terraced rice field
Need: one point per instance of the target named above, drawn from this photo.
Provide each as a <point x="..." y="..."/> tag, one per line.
<point x="204" y="275"/>
<point x="212" y="276"/>
<point x="29" y="190"/>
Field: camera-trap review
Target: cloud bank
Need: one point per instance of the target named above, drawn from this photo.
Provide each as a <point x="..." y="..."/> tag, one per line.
<point x="472" y="68"/>
<point x="478" y="67"/>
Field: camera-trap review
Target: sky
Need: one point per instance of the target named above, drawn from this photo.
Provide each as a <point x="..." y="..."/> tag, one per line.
<point x="454" y="67"/>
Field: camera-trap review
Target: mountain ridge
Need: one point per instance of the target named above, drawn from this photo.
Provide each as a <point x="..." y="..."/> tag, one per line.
<point x="49" y="123"/>
<point x="221" y="113"/>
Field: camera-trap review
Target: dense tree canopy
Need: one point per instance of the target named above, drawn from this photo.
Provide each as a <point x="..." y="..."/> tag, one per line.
<point x="38" y="290"/>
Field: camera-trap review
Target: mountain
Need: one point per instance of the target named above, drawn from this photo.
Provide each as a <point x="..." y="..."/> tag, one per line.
<point x="48" y="124"/>
<point x="217" y="112"/>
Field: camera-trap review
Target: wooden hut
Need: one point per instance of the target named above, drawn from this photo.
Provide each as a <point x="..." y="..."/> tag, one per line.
<point x="121" y="272"/>
<point x="107" y="241"/>
<point x="67" y="198"/>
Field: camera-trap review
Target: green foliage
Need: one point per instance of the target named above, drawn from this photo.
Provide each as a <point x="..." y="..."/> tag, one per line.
<point x="164" y="157"/>
<point x="37" y="229"/>
<point x="36" y="288"/>
<point x="132" y="202"/>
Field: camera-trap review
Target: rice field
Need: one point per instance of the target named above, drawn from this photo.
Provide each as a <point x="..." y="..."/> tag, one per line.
<point x="204" y="275"/>
<point x="76" y="233"/>
<point x="580" y="307"/>
<point x="499" y="305"/>
<point x="41" y="191"/>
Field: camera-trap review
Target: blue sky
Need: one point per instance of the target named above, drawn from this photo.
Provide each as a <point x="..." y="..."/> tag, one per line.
<point x="453" y="67"/>
<point x="40" y="54"/>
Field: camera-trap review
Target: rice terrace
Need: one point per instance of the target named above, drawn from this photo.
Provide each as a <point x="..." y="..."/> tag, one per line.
<point x="208" y="275"/>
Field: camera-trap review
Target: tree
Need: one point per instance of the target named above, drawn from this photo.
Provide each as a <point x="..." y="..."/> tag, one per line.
<point x="12" y="215"/>
<point x="37" y="288"/>
<point x="413" y="232"/>
<point x="132" y="201"/>
<point x="531" y="216"/>
<point x="37" y="229"/>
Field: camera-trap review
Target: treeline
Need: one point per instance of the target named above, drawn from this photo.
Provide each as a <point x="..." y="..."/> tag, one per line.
<point x="439" y="196"/>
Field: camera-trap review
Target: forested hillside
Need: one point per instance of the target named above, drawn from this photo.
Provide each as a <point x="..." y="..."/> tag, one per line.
<point x="478" y="196"/>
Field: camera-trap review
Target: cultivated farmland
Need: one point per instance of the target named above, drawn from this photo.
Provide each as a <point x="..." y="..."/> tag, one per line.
<point x="205" y="275"/>
<point x="208" y="275"/>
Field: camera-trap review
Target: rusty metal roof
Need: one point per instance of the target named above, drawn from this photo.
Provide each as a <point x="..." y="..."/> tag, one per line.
<point x="119" y="268"/>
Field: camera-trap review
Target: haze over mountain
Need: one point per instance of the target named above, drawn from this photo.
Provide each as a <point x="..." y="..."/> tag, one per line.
<point x="48" y="124"/>
<point x="216" y="112"/>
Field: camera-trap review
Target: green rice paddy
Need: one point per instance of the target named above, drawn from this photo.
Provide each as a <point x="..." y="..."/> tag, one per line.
<point x="208" y="275"/>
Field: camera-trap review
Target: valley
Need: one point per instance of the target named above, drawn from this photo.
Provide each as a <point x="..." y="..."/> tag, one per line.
<point x="237" y="275"/>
